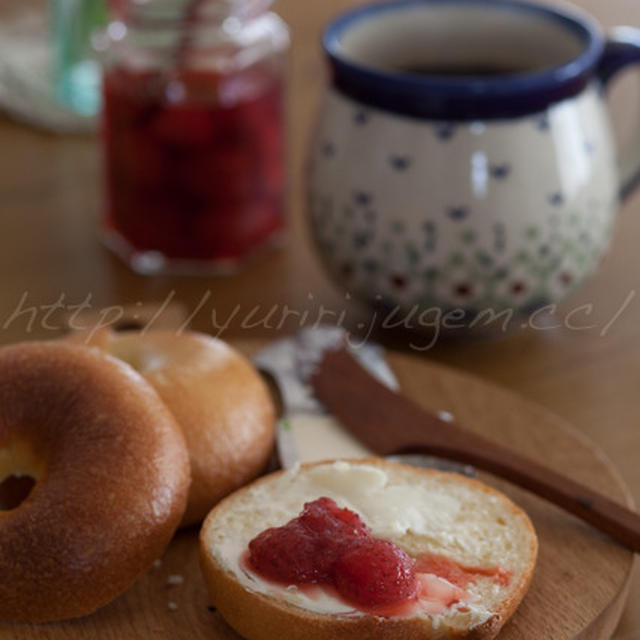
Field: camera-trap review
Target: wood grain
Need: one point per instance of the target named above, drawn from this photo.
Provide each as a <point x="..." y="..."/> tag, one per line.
<point x="579" y="585"/>
<point x="587" y="371"/>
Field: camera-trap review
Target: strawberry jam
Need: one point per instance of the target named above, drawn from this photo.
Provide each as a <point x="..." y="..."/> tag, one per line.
<point x="458" y="574"/>
<point x="375" y="573"/>
<point x="305" y="549"/>
<point x="194" y="162"/>
<point x="333" y="546"/>
<point x="331" y="549"/>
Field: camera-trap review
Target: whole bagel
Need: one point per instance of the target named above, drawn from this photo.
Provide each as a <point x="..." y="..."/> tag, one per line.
<point x="111" y="478"/>
<point x="216" y="396"/>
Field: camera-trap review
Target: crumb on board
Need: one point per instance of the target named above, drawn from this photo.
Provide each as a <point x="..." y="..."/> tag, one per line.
<point x="446" y="416"/>
<point x="172" y="606"/>
<point x="157" y="563"/>
<point x="175" y="580"/>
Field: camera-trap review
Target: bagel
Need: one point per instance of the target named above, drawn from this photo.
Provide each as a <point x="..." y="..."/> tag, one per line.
<point x="445" y="519"/>
<point x="111" y="476"/>
<point x="216" y="396"/>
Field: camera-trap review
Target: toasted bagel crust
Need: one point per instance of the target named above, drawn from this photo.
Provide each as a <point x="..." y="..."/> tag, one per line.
<point x="112" y="476"/>
<point x="258" y="616"/>
<point x="217" y="398"/>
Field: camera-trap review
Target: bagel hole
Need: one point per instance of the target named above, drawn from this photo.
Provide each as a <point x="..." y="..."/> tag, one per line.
<point x="128" y="324"/>
<point x="14" y="490"/>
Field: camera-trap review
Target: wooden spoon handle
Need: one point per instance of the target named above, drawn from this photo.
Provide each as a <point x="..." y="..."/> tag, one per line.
<point x="388" y="422"/>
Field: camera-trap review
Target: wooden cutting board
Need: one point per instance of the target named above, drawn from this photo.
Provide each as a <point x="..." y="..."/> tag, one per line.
<point x="580" y="583"/>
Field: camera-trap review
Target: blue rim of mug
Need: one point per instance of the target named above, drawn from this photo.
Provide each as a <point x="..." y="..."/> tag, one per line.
<point x="457" y="97"/>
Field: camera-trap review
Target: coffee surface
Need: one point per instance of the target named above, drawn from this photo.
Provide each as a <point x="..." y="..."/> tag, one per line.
<point x="469" y="70"/>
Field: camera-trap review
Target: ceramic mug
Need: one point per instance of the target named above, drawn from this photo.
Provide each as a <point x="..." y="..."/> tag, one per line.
<point x="464" y="156"/>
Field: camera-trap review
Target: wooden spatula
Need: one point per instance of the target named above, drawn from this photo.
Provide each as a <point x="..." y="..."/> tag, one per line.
<point x="388" y="423"/>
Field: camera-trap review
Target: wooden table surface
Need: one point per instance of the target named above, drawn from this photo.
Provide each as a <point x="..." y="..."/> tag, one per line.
<point x="585" y="368"/>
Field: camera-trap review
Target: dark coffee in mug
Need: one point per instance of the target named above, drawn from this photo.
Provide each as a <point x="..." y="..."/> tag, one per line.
<point x="466" y="70"/>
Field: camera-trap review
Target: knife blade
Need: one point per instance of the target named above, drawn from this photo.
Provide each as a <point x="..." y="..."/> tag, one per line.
<point x="306" y="430"/>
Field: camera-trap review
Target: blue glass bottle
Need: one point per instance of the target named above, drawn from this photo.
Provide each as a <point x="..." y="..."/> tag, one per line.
<point x="76" y="70"/>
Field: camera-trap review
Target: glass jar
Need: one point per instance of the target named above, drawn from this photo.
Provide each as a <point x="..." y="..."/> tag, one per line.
<point x="194" y="133"/>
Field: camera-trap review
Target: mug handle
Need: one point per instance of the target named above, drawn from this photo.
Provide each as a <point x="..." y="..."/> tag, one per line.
<point x="621" y="50"/>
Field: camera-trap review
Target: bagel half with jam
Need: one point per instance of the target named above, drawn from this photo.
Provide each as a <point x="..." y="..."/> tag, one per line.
<point x="472" y="553"/>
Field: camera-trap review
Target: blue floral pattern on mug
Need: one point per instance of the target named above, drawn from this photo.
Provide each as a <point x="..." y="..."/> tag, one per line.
<point x="485" y="215"/>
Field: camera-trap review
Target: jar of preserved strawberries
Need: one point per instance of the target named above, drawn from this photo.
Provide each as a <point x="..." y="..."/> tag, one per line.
<point x="193" y="132"/>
